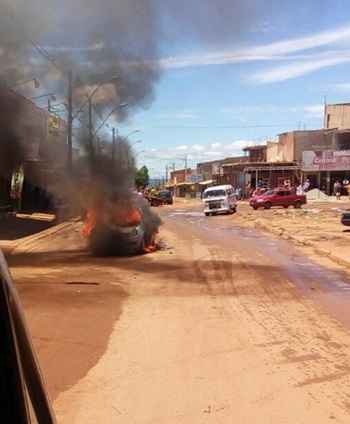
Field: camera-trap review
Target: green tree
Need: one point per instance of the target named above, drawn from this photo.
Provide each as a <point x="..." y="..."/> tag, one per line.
<point x="142" y="177"/>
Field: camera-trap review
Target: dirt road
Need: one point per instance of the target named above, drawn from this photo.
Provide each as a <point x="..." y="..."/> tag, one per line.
<point x="225" y="325"/>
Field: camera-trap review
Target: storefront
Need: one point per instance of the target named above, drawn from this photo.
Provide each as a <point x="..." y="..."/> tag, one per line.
<point x="272" y="174"/>
<point x="324" y="168"/>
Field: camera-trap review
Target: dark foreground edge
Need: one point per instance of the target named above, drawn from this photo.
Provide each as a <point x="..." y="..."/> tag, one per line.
<point x="23" y="398"/>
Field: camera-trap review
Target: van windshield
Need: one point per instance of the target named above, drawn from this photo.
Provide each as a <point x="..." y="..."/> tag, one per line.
<point x="214" y="193"/>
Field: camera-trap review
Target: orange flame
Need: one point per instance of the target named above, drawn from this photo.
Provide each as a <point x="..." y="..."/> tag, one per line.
<point x="89" y="222"/>
<point x="122" y="217"/>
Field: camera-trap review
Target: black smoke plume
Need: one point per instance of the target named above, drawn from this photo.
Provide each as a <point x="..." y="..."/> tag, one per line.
<point x="111" y="44"/>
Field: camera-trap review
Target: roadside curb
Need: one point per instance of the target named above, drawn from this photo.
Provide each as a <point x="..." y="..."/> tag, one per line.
<point x="282" y="233"/>
<point x="24" y="245"/>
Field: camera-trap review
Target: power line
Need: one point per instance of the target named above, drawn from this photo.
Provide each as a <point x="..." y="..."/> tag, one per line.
<point x="41" y="50"/>
<point x="45" y="54"/>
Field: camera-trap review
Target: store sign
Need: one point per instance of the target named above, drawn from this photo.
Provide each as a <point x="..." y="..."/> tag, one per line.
<point x="17" y="183"/>
<point x="53" y="123"/>
<point x="326" y="160"/>
<point x="195" y="178"/>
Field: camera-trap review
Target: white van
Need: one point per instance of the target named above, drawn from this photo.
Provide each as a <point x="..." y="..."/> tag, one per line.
<point x="219" y="199"/>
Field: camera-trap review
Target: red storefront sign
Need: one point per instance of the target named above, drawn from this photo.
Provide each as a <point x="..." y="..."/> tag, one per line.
<point x="326" y="160"/>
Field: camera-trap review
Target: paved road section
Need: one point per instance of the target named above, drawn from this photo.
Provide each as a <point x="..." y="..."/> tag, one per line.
<point x="223" y="326"/>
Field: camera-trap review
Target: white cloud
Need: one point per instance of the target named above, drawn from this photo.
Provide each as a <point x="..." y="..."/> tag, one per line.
<point x="183" y="147"/>
<point x="178" y="115"/>
<point x="314" y="111"/>
<point x="198" y="147"/>
<point x="341" y="87"/>
<point x="200" y="152"/>
<point x="297" y="69"/>
<point x="269" y="52"/>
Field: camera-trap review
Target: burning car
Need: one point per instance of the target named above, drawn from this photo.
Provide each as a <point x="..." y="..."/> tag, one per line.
<point x="121" y="227"/>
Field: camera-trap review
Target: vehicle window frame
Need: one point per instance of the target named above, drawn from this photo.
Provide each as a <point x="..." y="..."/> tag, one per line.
<point x="25" y="367"/>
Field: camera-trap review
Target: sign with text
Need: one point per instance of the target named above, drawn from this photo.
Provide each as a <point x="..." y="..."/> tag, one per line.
<point x="17" y="183"/>
<point x="326" y="160"/>
<point x="195" y="178"/>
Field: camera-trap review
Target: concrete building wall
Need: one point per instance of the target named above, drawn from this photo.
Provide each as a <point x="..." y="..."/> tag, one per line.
<point x="180" y="175"/>
<point x="292" y="144"/>
<point x="337" y="116"/>
<point x="209" y="170"/>
<point x="41" y="135"/>
<point x="272" y="152"/>
<point x="206" y="169"/>
<point x="286" y="147"/>
<point x="312" y="140"/>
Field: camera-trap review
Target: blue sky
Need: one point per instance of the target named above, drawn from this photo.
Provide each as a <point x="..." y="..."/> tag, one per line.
<point x="213" y="100"/>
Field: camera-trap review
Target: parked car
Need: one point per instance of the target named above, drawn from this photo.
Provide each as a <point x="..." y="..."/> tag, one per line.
<point x="277" y="197"/>
<point x="219" y="199"/>
<point x="166" y="197"/>
<point x="345" y="219"/>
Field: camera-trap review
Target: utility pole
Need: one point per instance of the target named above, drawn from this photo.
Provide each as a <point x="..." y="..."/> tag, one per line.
<point x="185" y="168"/>
<point x="166" y="174"/>
<point x="70" y="121"/>
<point x="91" y="137"/>
<point x="113" y="145"/>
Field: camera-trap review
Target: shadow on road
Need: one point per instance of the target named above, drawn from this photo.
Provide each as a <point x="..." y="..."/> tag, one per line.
<point x="13" y="228"/>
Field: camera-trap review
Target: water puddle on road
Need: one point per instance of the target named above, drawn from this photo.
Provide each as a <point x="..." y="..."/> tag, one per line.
<point x="326" y="286"/>
<point x="186" y="213"/>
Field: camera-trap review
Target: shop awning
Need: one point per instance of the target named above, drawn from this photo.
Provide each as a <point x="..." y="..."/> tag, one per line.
<point x="271" y="168"/>
<point x="207" y="182"/>
<point x="184" y="184"/>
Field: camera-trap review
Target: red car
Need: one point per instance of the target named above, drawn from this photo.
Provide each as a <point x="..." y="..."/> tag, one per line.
<point x="277" y="197"/>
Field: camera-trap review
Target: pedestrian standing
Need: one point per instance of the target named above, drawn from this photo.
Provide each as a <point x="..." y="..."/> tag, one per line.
<point x="300" y="190"/>
<point x="347" y="188"/>
<point x="337" y="189"/>
<point x="306" y="185"/>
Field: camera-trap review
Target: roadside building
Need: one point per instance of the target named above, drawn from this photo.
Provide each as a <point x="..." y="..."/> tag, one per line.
<point x="231" y="171"/>
<point x="256" y="153"/>
<point x="322" y="154"/>
<point x="180" y="183"/>
<point x="270" y="166"/>
<point x="41" y="145"/>
<point x="337" y="116"/>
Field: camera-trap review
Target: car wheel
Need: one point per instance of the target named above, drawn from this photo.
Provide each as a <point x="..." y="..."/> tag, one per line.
<point x="267" y="205"/>
<point x="285" y="206"/>
<point x="297" y="205"/>
<point x="207" y="213"/>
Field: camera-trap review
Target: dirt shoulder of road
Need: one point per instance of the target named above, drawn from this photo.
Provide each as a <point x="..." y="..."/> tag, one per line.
<point x="72" y="299"/>
<point x="316" y="227"/>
